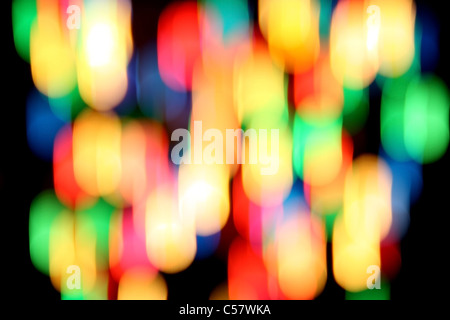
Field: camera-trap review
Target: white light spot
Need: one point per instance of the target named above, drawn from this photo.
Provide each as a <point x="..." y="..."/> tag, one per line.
<point x="100" y="45"/>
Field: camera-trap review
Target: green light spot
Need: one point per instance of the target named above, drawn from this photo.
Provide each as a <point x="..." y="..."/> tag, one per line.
<point x="356" y="109"/>
<point x="392" y="118"/>
<point x="313" y="139"/>
<point x="44" y="209"/>
<point x="96" y="220"/>
<point x="67" y="107"/>
<point x="384" y="293"/>
<point x="426" y="119"/>
<point x="24" y="12"/>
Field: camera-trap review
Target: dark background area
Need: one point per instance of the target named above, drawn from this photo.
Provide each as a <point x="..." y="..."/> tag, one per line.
<point x="424" y="249"/>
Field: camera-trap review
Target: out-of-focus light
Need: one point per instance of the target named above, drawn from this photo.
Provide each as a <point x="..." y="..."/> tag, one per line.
<point x="24" y="13"/>
<point x="99" y="45"/>
<point x="273" y="188"/>
<point x="392" y="115"/>
<point x="127" y="245"/>
<point x="396" y="36"/>
<point x="353" y="64"/>
<point x="414" y="119"/>
<point x="355" y="110"/>
<point x="44" y="209"/>
<point x="301" y="257"/>
<point x="258" y="85"/>
<point x="204" y="196"/>
<point x="291" y="28"/>
<point x="170" y="235"/>
<point x="179" y="43"/>
<point x="290" y="94"/>
<point x="62" y="248"/>
<point x="52" y="59"/>
<point x="328" y="198"/>
<point x="390" y="259"/>
<point x="326" y="10"/>
<point x="247" y="275"/>
<point x="138" y="284"/>
<point x="144" y="150"/>
<point x="373" y="27"/>
<point x="246" y="214"/>
<point x="212" y="104"/>
<point x="315" y="144"/>
<point x="42" y="125"/>
<point x="406" y="188"/>
<point x="232" y="17"/>
<point x="103" y="53"/>
<point x="66" y="186"/>
<point x="427" y="107"/>
<point x="155" y="98"/>
<point x="67" y="107"/>
<point x="364" y="223"/>
<point x="63" y="242"/>
<point x="367" y="199"/>
<point x="133" y="184"/>
<point x="351" y="257"/>
<point x="317" y="94"/>
<point x="96" y="152"/>
<point x="384" y="293"/>
<point x="97" y="219"/>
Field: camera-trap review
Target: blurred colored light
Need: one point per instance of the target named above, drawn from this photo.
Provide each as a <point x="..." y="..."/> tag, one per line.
<point x="251" y="100"/>
<point x="396" y="36"/>
<point x="247" y="275"/>
<point x="137" y="284"/>
<point x="301" y="257"/>
<point x="427" y="107"/>
<point x="204" y="196"/>
<point x="317" y="150"/>
<point x="414" y="119"/>
<point x="104" y="52"/>
<point x="170" y="235"/>
<point x="96" y="152"/>
<point x="52" y="59"/>
<point x="353" y="64"/>
<point x="291" y="28"/>
<point x="42" y="125"/>
<point x="178" y="43"/>
<point x="43" y="212"/>
<point x="23" y="15"/>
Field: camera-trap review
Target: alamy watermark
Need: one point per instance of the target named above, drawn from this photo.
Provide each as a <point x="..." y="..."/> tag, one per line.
<point x="374" y="280"/>
<point x="258" y="146"/>
<point x="74" y="19"/>
<point x="74" y="280"/>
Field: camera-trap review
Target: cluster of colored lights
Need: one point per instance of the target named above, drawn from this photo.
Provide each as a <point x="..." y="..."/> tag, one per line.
<point x="103" y="113"/>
